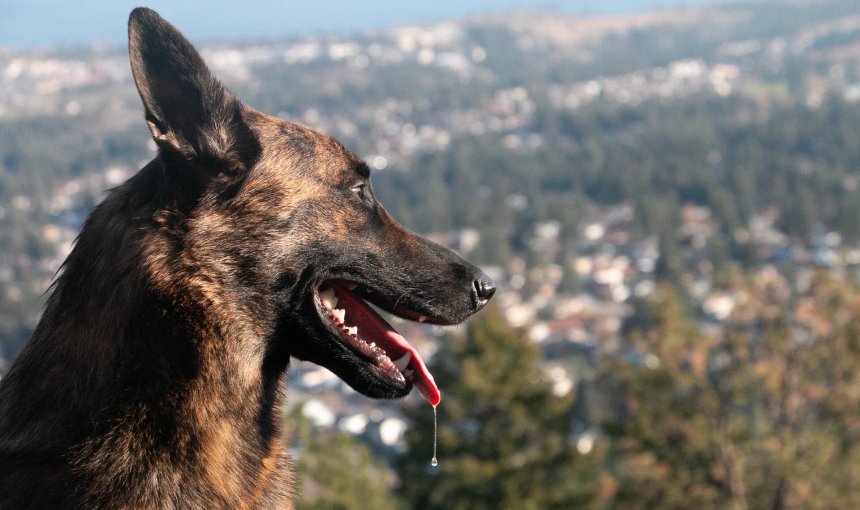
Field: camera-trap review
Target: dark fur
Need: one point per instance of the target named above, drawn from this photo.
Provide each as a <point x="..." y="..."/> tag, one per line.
<point x="155" y="377"/>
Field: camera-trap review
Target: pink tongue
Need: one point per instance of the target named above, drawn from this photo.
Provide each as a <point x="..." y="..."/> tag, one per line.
<point x="373" y="328"/>
<point x="421" y="377"/>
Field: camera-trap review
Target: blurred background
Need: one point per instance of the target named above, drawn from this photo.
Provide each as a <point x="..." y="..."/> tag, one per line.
<point x="666" y="193"/>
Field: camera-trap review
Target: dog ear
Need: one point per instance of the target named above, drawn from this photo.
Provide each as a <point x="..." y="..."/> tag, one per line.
<point x="188" y="111"/>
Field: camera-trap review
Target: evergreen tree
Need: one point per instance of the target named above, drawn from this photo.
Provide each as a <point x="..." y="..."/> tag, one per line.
<point x="762" y="415"/>
<point x="504" y="438"/>
<point x="662" y="416"/>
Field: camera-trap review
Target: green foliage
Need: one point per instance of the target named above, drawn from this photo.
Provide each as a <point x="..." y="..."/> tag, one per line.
<point x="338" y="472"/>
<point x="702" y="150"/>
<point x="662" y="437"/>
<point x="762" y="416"/>
<point x="504" y="438"/>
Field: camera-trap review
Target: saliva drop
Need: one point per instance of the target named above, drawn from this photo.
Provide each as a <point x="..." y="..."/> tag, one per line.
<point x="434" y="461"/>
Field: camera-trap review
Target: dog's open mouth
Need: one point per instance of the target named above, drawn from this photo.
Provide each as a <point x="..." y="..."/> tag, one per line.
<point x="372" y="339"/>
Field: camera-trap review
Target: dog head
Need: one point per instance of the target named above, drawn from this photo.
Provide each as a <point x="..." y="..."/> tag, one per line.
<point x="285" y="221"/>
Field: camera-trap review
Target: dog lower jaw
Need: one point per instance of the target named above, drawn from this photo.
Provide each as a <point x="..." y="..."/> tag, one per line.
<point x="382" y="352"/>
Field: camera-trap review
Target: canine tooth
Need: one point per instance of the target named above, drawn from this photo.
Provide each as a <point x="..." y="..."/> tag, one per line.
<point x="352" y="331"/>
<point x="328" y="298"/>
<point x="373" y="345"/>
<point x="403" y="362"/>
<point x="339" y="314"/>
<point x="351" y="286"/>
<point x="421" y="318"/>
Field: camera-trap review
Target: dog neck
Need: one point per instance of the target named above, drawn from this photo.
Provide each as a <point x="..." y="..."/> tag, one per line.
<point x="134" y="357"/>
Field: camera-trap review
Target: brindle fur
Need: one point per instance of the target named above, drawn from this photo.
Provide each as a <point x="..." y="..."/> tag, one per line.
<point x="155" y="376"/>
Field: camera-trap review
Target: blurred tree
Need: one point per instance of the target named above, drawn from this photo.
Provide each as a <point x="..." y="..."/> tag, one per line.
<point x="504" y="438"/>
<point x="661" y="419"/>
<point x="806" y="385"/>
<point x="336" y="471"/>
<point x="762" y="415"/>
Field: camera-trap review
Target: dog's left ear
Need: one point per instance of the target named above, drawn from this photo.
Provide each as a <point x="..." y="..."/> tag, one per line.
<point x="188" y="111"/>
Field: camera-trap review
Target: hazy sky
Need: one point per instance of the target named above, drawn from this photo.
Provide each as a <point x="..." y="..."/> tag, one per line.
<point x="37" y="23"/>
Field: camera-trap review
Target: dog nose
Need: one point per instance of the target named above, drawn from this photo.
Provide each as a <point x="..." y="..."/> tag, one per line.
<point x="484" y="289"/>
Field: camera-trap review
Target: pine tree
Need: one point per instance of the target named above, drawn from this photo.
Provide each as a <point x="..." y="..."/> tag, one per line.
<point x="762" y="415"/>
<point x="662" y="418"/>
<point x="504" y="438"/>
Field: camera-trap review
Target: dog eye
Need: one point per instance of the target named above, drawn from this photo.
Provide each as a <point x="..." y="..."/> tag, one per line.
<point x="360" y="189"/>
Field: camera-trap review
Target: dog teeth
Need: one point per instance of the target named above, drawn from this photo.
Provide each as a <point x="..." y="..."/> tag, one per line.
<point x="351" y="286"/>
<point x="403" y="362"/>
<point x="329" y="300"/>
<point x="352" y="331"/>
<point x="339" y="314"/>
<point x="421" y="318"/>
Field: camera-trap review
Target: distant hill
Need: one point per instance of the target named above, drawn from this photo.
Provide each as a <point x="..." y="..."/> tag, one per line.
<point x="37" y="25"/>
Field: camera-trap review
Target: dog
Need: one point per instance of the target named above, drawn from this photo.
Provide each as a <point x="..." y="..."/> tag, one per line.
<point x="155" y="377"/>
